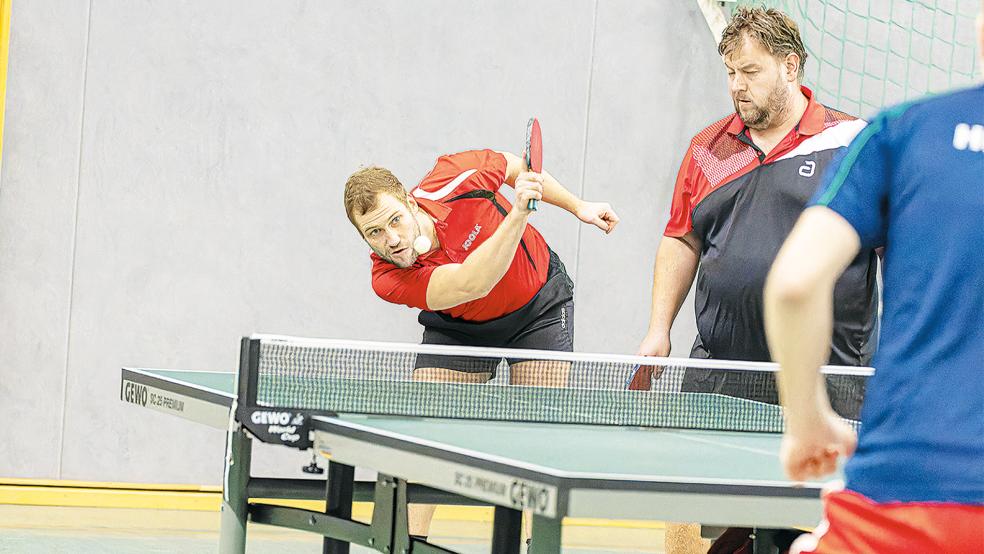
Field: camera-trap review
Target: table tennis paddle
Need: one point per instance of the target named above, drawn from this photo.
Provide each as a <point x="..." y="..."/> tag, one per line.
<point x="642" y="376"/>
<point x="534" y="152"/>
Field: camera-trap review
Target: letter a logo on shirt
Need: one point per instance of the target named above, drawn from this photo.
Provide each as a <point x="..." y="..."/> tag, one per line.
<point x="808" y="168"/>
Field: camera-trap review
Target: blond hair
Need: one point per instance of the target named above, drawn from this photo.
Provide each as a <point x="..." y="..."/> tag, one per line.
<point x="362" y="190"/>
<point x="773" y="29"/>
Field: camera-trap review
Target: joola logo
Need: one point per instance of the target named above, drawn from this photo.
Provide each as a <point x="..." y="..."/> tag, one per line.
<point x="471" y="237"/>
<point x="968" y="137"/>
<point x="808" y="168"/>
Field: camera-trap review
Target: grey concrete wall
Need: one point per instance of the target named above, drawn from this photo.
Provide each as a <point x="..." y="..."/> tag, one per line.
<point x="172" y="179"/>
<point x="38" y="192"/>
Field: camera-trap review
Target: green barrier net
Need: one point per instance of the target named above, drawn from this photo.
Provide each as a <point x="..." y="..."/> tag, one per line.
<point x="865" y="55"/>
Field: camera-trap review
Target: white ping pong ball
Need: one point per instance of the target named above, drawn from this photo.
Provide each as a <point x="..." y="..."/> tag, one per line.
<point x="421" y="245"/>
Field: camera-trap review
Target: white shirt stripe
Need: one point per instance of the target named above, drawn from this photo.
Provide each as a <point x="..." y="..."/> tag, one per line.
<point x="838" y="136"/>
<point x="445" y="190"/>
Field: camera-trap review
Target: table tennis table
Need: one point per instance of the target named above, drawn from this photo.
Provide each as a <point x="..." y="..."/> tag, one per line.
<point x="553" y="470"/>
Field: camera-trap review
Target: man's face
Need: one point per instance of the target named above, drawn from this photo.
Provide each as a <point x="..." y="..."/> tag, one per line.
<point x="758" y="84"/>
<point x="390" y="229"/>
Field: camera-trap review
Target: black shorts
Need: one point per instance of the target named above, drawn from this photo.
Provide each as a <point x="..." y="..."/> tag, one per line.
<point x="846" y="392"/>
<point x="546" y="322"/>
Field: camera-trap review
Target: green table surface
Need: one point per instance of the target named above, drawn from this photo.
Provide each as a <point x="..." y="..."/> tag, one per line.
<point x="625" y="451"/>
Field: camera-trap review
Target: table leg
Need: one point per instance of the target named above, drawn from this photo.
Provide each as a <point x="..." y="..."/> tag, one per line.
<point x="506" y="530"/>
<point x="235" y="502"/>
<point x="338" y="502"/>
<point x="546" y="535"/>
<point x="763" y="541"/>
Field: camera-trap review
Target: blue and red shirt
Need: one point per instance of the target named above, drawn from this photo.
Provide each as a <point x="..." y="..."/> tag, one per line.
<point x="462" y="194"/>
<point x="913" y="182"/>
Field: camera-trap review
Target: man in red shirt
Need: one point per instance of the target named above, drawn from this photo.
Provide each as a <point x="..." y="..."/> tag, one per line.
<point x="455" y="248"/>
<point x="743" y="183"/>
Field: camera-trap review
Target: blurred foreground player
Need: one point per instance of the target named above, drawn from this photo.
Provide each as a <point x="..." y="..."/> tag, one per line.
<point x="913" y="182"/>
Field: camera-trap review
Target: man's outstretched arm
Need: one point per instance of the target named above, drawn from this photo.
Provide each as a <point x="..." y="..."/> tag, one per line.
<point x="799" y="294"/>
<point x="453" y="284"/>
<point x="599" y="214"/>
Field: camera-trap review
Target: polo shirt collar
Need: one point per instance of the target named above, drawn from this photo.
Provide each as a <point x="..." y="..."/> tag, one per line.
<point x="436" y="210"/>
<point x="810" y="124"/>
<point x="440" y="213"/>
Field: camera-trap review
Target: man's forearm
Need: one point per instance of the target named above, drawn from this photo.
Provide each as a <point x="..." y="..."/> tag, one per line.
<point x="799" y="299"/>
<point x="798" y="325"/>
<point x="673" y="274"/>
<point x="455" y="284"/>
<point x="490" y="261"/>
<point x="555" y="193"/>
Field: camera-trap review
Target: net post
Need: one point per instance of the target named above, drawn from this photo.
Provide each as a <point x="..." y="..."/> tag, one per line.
<point x="249" y="365"/>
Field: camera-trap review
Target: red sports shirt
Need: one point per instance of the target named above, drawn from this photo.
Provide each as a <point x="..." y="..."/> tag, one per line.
<point x="741" y="203"/>
<point x="723" y="153"/>
<point x="462" y="194"/>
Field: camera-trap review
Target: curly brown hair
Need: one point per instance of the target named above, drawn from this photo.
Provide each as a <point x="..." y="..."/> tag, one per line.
<point x="772" y="28"/>
<point x="362" y="190"/>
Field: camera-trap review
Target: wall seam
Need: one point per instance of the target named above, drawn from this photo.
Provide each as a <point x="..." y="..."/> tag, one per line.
<point x="584" y="150"/>
<point x="75" y="242"/>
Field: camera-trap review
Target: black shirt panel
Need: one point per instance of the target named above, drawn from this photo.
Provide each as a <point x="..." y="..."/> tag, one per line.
<point x="742" y="224"/>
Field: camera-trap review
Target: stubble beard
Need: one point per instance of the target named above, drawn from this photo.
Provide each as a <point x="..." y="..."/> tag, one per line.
<point x="761" y="118"/>
<point x="413" y="253"/>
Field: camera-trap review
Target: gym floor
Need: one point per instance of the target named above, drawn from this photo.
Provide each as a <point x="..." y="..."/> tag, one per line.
<point x="55" y="529"/>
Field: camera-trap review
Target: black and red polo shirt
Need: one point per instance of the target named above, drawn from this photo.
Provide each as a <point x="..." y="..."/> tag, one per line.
<point x="741" y="204"/>
<point x="462" y="194"/>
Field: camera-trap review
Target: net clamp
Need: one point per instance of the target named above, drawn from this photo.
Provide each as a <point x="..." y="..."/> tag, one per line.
<point x="284" y="427"/>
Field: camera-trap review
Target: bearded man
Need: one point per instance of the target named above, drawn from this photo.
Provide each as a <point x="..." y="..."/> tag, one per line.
<point x="741" y="187"/>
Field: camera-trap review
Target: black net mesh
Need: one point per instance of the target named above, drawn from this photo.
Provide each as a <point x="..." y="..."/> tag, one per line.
<point x="495" y="384"/>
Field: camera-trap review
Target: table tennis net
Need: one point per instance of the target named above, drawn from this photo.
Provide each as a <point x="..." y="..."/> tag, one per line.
<point x="531" y="386"/>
